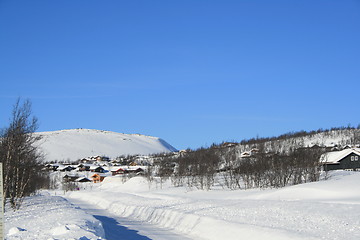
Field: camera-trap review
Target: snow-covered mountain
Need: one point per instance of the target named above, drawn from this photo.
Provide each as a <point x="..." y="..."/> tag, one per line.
<point x="74" y="144"/>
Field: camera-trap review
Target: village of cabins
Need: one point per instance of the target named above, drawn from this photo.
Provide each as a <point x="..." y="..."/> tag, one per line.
<point x="101" y="167"/>
<point x="95" y="169"/>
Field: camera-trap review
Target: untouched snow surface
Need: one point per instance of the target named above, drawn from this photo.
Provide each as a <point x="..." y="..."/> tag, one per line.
<point x="51" y="217"/>
<point x="76" y="144"/>
<point x="321" y="210"/>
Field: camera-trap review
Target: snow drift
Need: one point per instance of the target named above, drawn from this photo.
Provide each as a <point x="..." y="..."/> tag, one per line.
<point x="51" y="217"/>
<point x="76" y="144"/>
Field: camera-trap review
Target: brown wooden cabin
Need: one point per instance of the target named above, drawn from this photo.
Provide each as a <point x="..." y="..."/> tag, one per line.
<point x="97" y="178"/>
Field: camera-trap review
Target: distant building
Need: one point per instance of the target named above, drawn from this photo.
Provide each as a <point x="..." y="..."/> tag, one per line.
<point x="82" y="180"/>
<point x="97" y="178"/>
<point x="347" y="159"/>
<point x="95" y="168"/>
<point x="245" y="154"/>
<point x="126" y="169"/>
<point x="70" y="178"/>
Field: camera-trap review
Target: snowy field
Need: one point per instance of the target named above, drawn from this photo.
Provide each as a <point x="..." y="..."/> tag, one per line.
<point x="321" y="210"/>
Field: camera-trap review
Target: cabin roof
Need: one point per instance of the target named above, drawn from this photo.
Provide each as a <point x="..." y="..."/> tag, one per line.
<point x="129" y="168"/>
<point x="62" y="167"/>
<point x="81" y="179"/>
<point x="93" y="167"/>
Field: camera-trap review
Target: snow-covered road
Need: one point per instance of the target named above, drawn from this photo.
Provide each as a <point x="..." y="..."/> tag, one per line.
<point x="116" y="227"/>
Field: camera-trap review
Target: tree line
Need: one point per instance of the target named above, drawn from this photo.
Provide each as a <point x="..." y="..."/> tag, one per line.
<point x="205" y="167"/>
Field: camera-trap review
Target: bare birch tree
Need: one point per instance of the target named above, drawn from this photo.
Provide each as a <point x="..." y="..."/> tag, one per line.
<point x="20" y="157"/>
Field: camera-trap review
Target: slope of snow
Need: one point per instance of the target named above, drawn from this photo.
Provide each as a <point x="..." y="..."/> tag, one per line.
<point x="332" y="138"/>
<point x="50" y="217"/>
<point x="340" y="137"/>
<point x="321" y="210"/>
<point x="76" y="144"/>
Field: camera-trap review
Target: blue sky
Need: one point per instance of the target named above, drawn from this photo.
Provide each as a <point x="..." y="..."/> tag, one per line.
<point x="192" y="72"/>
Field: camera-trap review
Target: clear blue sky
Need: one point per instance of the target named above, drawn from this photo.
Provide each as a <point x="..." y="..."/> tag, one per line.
<point x="192" y="72"/>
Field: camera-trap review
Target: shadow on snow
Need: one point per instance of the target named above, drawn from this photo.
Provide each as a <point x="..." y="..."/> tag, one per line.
<point x="114" y="231"/>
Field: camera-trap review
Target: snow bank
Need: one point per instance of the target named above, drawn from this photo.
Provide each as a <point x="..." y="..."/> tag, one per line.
<point x="341" y="187"/>
<point x="322" y="210"/>
<point x="50" y="217"/>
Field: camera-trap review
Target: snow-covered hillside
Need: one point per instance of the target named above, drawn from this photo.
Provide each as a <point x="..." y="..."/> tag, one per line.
<point x="326" y="138"/>
<point x="76" y="144"/>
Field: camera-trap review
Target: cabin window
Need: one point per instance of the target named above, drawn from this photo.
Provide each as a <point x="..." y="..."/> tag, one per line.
<point x="354" y="158"/>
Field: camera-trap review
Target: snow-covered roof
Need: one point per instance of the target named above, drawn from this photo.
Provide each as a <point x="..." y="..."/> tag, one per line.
<point x="114" y="169"/>
<point x="81" y="179"/>
<point x="93" y="167"/>
<point x="62" y="167"/>
<point x="70" y="176"/>
<point x="129" y="168"/>
<point x="245" y="154"/>
<point x="334" y="157"/>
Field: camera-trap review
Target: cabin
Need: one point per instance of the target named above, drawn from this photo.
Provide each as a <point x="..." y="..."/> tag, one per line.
<point x="315" y="146"/>
<point x="82" y="180"/>
<point x="228" y="145"/>
<point x="83" y="167"/>
<point x="347" y="159"/>
<point x="183" y="152"/>
<point x="119" y="170"/>
<point x="53" y="166"/>
<point x="95" y="168"/>
<point x="254" y="151"/>
<point x="245" y="155"/>
<point x="64" y="168"/>
<point x="97" y="178"/>
<point x="136" y="170"/>
<point x="70" y="178"/>
<point x="126" y="169"/>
